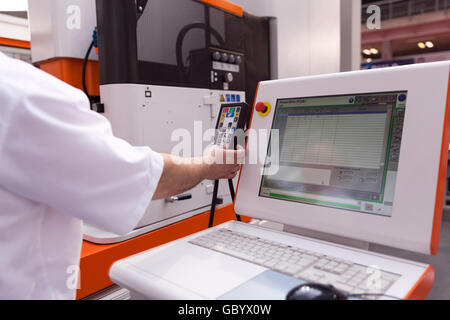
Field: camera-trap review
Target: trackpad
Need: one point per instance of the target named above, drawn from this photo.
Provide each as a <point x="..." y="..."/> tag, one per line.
<point x="202" y="271"/>
<point x="270" y="285"/>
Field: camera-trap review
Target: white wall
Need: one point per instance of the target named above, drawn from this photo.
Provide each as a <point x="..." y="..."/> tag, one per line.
<point x="61" y="28"/>
<point x="311" y="35"/>
<point x="350" y="35"/>
<point x="14" y="28"/>
<point x="324" y="36"/>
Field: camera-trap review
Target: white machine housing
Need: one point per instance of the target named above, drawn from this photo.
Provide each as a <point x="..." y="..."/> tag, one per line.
<point x="415" y="204"/>
<point x="146" y="115"/>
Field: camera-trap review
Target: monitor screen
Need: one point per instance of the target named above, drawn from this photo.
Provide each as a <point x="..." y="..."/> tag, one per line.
<point x="338" y="151"/>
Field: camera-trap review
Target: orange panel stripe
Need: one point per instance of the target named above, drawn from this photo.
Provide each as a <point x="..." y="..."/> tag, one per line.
<point x="442" y="179"/>
<point x="225" y="5"/>
<point x="69" y="70"/>
<point x="423" y="286"/>
<point x="246" y="143"/>
<point x="15" y="43"/>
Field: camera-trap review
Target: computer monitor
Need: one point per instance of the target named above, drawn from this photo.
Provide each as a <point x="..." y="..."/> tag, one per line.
<point x="338" y="151"/>
<point x="362" y="155"/>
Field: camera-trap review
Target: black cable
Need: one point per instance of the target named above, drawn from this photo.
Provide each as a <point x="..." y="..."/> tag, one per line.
<point x="213" y="204"/>
<point x="182" y="35"/>
<point x="231" y="185"/>
<point x="230" y="182"/>
<point x="83" y="76"/>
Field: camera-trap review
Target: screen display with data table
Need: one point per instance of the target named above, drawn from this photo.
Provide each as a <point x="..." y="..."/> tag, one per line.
<point x="338" y="151"/>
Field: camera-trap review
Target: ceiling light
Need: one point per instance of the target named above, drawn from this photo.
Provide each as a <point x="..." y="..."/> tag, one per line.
<point x="16" y="5"/>
<point x="429" y="44"/>
<point x="367" y="52"/>
<point x="421" y="45"/>
<point x="374" y="51"/>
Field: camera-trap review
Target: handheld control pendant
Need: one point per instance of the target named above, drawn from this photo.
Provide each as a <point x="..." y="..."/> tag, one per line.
<point x="233" y="119"/>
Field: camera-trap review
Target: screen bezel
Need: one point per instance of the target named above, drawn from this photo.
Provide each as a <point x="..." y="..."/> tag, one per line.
<point x="412" y="225"/>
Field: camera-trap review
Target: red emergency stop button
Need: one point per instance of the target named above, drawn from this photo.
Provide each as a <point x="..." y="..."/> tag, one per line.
<point x="263" y="108"/>
<point x="260" y="107"/>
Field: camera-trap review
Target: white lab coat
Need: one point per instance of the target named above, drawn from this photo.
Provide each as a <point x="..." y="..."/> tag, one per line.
<point x="60" y="165"/>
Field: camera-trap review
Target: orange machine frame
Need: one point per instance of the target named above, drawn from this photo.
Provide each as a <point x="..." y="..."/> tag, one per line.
<point x="225" y="5"/>
<point x="442" y="179"/>
<point x="14" y="43"/>
<point x="422" y="287"/>
<point x="69" y="70"/>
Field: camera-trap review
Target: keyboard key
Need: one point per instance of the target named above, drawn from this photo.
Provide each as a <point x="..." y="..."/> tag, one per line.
<point x="259" y="260"/>
<point x="271" y="263"/>
<point x="234" y="253"/>
<point x="353" y="282"/>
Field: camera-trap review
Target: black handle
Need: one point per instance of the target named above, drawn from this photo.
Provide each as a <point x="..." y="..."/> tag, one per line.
<point x="180" y="197"/>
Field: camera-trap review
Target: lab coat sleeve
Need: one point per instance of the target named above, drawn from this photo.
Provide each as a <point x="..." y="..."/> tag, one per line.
<point x="55" y="151"/>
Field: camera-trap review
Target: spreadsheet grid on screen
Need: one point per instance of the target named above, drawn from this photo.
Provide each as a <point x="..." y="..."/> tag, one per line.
<point x="339" y="140"/>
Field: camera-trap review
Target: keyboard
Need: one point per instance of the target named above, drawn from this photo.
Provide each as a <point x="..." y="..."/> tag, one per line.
<point x="345" y="275"/>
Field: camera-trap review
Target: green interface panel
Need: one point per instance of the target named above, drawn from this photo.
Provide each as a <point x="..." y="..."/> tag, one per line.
<point x="338" y="151"/>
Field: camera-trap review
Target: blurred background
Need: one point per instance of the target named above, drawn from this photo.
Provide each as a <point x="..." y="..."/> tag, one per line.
<point x="413" y="31"/>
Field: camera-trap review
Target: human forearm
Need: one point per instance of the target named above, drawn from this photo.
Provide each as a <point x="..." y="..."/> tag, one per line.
<point x="179" y="175"/>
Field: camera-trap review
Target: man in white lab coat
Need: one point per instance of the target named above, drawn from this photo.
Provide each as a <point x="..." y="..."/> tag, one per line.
<point x="60" y="165"/>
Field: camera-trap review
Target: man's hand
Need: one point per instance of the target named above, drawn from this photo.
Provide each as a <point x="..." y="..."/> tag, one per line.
<point x="182" y="174"/>
<point x="222" y="163"/>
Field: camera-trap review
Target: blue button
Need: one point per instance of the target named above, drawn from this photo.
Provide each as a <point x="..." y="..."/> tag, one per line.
<point x="238" y="98"/>
<point x="402" y="97"/>
<point x="228" y="98"/>
<point x="233" y="98"/>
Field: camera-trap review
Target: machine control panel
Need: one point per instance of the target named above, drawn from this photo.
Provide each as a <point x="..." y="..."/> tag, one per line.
<point x="226" y="66"/>
<point x="218" y="68"/>
<point x="232" y="117"/>
<point x="227" y="57"/>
